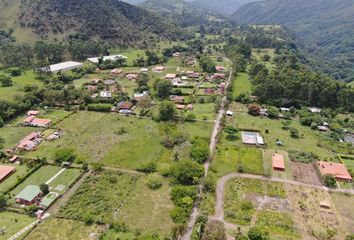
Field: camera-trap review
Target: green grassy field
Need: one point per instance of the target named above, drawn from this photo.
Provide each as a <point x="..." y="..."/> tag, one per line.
<point x="229" y="158"/>
<point x="241" y="84"/>
<point x="112" y="197"/>
<point x="13" y="223"/>
<point x="21" y="171"/>
<point x="58" y="229"/>
<point x="55" y="115"/>
<point x="96" y="137"/>
<point x="12" y="135"/>
<point x="204" y="111"/>
<point x="27" y="78"/>
<point x="66" y="178"/>
<point x="260" y="53"/>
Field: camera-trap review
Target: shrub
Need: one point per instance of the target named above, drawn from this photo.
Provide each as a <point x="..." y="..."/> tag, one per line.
<point x="99" y="107"/>
<point x="190" y="117"/>
<point x="148" y="168"/>
<point x="154" y="181"/>
<point x="214" y="230"/>
<point x="329" y="181"/>
<point x="44" y="188"/>
<point x="294" y="133"/>
<point x="200" y="150"/>
<point x="256" y="233"/>
<point x="64" y="155"/>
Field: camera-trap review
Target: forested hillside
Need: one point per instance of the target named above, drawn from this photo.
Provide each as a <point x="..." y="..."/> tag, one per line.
<point x="110" y="20"/>
<point x="325" y="28"/>
<point x="181" y="12"/>
<point x="223" y="7"/>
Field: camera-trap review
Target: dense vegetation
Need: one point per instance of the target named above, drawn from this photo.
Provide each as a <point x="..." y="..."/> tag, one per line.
<point x="324" y="27"/>
<point x="223" y="7"/>
<point x="110" y="20"/>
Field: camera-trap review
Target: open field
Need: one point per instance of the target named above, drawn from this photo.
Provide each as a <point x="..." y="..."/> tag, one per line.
<point x="230" y="158"/>
<point x="12" y="135"/>
<point x="21" y="171"/>
<point x="13" y="223"/>
<point x="305" y="173"/>
<point x="204" y="111"/>
<point x="98" y="137"/>
<point x="64" y="229"/>
<point x="309" y="141"/>
<point x="241" y="84"/>
<point x="345" y="206"/>
<point x="111" y="197"/>
<point x="65" y="179"/>
<point x="55" y="115"/>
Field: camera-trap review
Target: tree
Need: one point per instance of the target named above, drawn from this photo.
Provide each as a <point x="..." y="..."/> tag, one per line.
<point x="294" y="133"/>
<point x="256" y="233"/>
<point x="214" y="230"/>
<point x="166" y="111"/>
<point x="190" y="117"/>
<point x="272" y="112"/>
<point x="186" y="172"/>
<point x="5" y="81"/>
<point x="207" y="65"/>
<point x="163" y="88"/>
<point x="3" y="201"/>
<point x="200" y="150"/>
<point x="44" y="188"/>
<point x="1" y="122"/>
<point x="231" y="132"/>
<point x="64" y="155"/>
<point x="2" y="141"/>
<point x="329" y="181"/>
<point x="254" y="110"/>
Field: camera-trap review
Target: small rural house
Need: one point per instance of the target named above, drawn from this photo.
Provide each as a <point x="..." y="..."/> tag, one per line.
<point x="144" y="70"/>
<point x="322" y="128"/>
<point x="28" y="196"/>
<point x="37" y="122"/>
<point x="219" y="68"/>
<point x="278" y="162"/>
<point x="336" y="169"/>
<point x="252" y="138"/>
<point x="30" y="142"/>
<point x="158" y="69"/>
<point x="125" y="105"/>
<point x="170" y="76"/>
<point x="220" y="76"/>
<point x="314" y="110"/>
<point x="116" y="71"/>
<point x="109" y="82"/>
<point x="6" y="171"/>
<point x="177" y="54"/>
<point x="33" y="113"/>
<point x="229" y="113"/>
<point x="132" y="76"/>
<point x="14" y="159"/>
<point x="178" y="99"/>
<point x="105" y="94"/>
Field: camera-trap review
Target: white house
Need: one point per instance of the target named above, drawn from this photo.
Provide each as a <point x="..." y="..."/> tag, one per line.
<point x="105" y="94"/>
<point x="314" y="110"/>
<point x="105" y="58"/>
<point x="65" y="66"/>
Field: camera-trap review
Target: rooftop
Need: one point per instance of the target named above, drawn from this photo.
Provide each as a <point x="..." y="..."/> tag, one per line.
<point x="65" y="66"/>
<point x="105" y="58"/>
<point x="278" y="161"/>
<point x="29" y="193"/>
<point x="5" y="171"/>
<point x="336" y="169"/>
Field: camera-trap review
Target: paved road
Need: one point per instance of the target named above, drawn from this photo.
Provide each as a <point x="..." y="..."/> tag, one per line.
<point x="220" y="190"/>
<point x="193" y="218"/>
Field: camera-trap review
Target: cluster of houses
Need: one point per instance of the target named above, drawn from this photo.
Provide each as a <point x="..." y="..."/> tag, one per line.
<point x="32" y="120"/>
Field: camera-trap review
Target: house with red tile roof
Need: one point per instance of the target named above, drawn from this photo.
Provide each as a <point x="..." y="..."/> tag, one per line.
<point x="338" y="170"/>
<point x="278" y="162"/>
<point x="41" y="122"/>
<point x="32" y="113"/>
<point x="125" y="105"/>
<point x="30" y="142"/>
<point x="219" y="76"/>
<point x="170" y="76"/>
<point x="219" y="68"/>
<point x="178" y="99"/>
<point x="6" y="171"/>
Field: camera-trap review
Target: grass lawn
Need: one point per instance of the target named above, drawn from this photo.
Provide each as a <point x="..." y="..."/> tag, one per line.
<point x="112" y="197"/>
<point x="309" y="141"/>
<point x="21" y="171"/>
<point x="241" y="84"/>
<point x="13" y="223"/>
<point x="65" y="178"/>
<point x="12" y="135"/>
<point x="27" y="78"/>
<point x="229" y="158"/>
<point x="40" y="176"/>
<point x="59" y="229"/>
<point x="204" y="111"/>
<point x="96" y="137"/>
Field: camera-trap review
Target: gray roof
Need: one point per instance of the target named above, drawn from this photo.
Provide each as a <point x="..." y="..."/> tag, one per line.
<point x="29" y="193"/>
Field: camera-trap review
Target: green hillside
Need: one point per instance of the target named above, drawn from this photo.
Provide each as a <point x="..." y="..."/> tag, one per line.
<point x="325" y="28"/>
<point x="223" y="7"/>
<point x="110" y="20"/>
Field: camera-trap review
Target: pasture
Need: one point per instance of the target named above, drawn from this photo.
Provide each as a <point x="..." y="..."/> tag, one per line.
<point x="12" y="223"/>
<point x="119" y="198"/>
<point x="241" y="84"/>
<point x="21" y="172"/>
<point x="12" y="135"/>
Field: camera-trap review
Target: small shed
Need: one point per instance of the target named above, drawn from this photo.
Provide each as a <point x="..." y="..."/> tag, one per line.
<point x="278" y="162"/>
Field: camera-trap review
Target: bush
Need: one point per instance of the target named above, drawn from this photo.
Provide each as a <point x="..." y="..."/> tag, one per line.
<point x="214" y="230"/>
<point x="2" y="201"/>
<point x="190" y="117"/>
<point x="294" y="133"/>
<point x="200" y="150"/>
<point x="44" y="188"/>
<point x="329" y="181"/>
<point x="15" y="71"/>
<point x="148" y="168"/>
<point x="180" y="192"/>
<point x="154" y="181"/>
<point x="64" y="155"/>
<point x="256" y="233"/>
<point x="180" y="215"/>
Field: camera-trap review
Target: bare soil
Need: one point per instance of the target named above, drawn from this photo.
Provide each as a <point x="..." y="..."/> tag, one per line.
<point x="305" y="173"/>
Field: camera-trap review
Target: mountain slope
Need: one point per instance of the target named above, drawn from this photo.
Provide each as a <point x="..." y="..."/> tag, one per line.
<point x="223" y="7"/>
<point x="113" y="21"/>
<point x="185" y="14"/>
<point x="325" y="28"/>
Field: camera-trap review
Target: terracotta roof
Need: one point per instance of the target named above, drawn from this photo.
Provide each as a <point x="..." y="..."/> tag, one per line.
<point x="32" y="112"/>
<point x="170" y="76"/>
<point x="125" y="105"/>
<point x="31" y="136"/>
<point x="278" y="161"/>
<point x="41" y="121"/>
<point x="6" y="171"/>
<point x="29" y="119"/>
<point x="336" y="169"/>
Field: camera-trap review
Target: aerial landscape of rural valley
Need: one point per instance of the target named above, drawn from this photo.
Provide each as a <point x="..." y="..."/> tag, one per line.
<point x="176" y="120"/>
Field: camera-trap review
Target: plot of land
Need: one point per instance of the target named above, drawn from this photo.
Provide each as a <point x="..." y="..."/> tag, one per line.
<point x="64" y="229"/>
<point x="21" y="172"/>
<point x="61" y="183"/>
<point x="241" y="84"/>
<point x="112" y="197"/>
<point x="345" y="205"/>
<point x="12" y="135"/>
<point x="305" y="173"/>
<point x="12" y="223"/>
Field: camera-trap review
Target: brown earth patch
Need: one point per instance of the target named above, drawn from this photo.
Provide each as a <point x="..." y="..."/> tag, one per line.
<point x="305" y="173"/>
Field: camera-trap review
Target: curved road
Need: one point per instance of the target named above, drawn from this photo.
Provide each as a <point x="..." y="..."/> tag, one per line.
<point x="193" y="218"/>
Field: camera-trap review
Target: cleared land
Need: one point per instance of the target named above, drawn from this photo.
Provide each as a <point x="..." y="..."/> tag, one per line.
<point x="241" y="84"/>
<point x="305" y="173"/>
<point x="64" y="229"/>
<point x="115" y="198"/>
<point x="12" y="135"/>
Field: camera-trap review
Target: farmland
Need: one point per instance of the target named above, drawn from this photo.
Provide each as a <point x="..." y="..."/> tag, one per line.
<point x="13" y="222"/>
<point x="241" y="84"/>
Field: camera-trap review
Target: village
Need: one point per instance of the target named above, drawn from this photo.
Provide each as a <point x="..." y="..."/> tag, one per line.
<point x="92" y="167"/>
